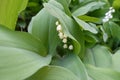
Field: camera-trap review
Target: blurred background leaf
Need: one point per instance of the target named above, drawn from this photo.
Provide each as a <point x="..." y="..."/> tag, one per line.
<point x="53" y="73"/>
<point x="9" y="11"/>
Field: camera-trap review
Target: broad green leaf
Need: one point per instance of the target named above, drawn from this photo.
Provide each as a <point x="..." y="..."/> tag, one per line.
<point x="116" y="59"/>
<point x="65" y="4"/>
<point x="99" y="4"/>
<point x="70" y="28"/>
<point x="21" y="40"/>
<point x="53" y="38"/>
<point x="86" y="8"/>
<point x="53" y="73"/>
<point x="98" y="56"/>
<point x="74" y="64"/>
<point x="85" y="25"/>
<point x="90" y="78"/>
<point x="89" y="18"/>
<point x="112" y="29"/>
<point x="102" y="73"/>
<point x="9" y="10"/>
<point x="57" y="4"/>
<point x="43" y="26"/>
<point x="18" y="63"/>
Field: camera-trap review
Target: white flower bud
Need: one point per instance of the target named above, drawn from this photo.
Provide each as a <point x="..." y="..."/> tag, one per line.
<point x="61" y="36"/>
<point x="64" y="40"/>
<point x="105" y="20"/>
<point x="110" y="16"/>
<point x="57" y="23"/>
<point x="106" y="17"/>
<point x="65" y="36"/>
<point x="70" y="47"/>
<point x="59" y="28"/>
<point x="109" y="12"/>
<point x="113" y="10"/>
<point x="106" y="13"/>
<point x="65" y="46"/>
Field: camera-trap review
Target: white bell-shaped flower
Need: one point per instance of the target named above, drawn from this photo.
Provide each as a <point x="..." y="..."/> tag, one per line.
<point x="65" y="46"/>
<point x="59" y="28"/>
<point x="70" y="47"/>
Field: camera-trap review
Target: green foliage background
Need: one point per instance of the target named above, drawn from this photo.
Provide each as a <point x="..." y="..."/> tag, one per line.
<point x="33" y="51"/>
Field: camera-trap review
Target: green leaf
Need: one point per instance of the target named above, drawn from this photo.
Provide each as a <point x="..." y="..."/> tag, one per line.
<point x="116" y="59"/>
<point x="89" y="18"/>
<point x="9" y="11"/>
<point x="98" y="56"/>
<point x="102" y="73"/>
<point x="21" y="40"/>
<point x="70" y="28"/>
<point x="20" y="55"/>
<point x="58" y="4"/>
<point x="99" y="5"/>
<point x="18" y="64"/>
<point x="85" y="25"/>
<point x="43" y="26"/>
<point x="112" y="29"/>
<point x="65" y="4"/>
<point x="53" y="73"/>
<point x="86" y="8"/>
<point x="74" y="64"/>
<point x="116" y="4"/>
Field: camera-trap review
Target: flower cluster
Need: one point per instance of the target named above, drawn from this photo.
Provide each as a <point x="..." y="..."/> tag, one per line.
<point x="63" y="37"/>
<point x="108" y="15"/>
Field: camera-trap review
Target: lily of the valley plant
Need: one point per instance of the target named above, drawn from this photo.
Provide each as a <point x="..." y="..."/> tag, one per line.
<point x="66" y="40"/>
